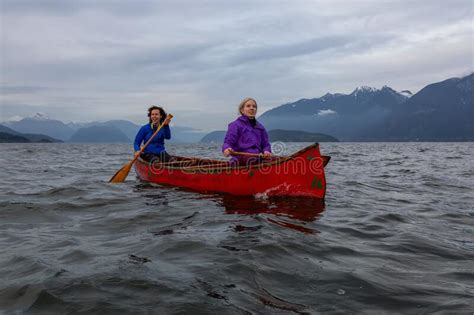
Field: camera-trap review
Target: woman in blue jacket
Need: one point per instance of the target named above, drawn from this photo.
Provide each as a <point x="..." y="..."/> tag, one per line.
<point x="156" y="149"/>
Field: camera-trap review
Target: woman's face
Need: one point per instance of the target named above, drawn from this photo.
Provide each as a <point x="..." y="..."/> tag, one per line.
<point x="249" y="109"/>
<point x="155" y="116"/>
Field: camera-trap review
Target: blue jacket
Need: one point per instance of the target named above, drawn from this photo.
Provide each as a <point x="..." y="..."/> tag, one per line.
<point x="241" y="136"/>
<point x="157" y="145"/>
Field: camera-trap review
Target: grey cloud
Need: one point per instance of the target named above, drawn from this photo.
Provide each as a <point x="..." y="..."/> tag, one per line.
<point x="55" y="7"/>
<point x="307" y="47"/>
<point x="287" y="50"/>
<point x="7" y="90"/>
<point x="163" y="64"/>
<point x="185" y="53"/>
<point x="124" y="8"/>
<point x="82" y="58"/>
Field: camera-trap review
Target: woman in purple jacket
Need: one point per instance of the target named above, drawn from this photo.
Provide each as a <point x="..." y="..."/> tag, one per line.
<point x="156" y="149"/>
<point x="246" y="134"/>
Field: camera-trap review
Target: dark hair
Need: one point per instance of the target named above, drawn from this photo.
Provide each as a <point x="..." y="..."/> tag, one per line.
<point x="162" y="113"/>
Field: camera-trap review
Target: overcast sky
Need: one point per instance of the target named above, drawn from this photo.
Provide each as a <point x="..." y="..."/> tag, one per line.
<point x="98" y="60"/>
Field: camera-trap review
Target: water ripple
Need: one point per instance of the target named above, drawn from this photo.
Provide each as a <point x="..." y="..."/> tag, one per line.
<point x="395" y="235"/>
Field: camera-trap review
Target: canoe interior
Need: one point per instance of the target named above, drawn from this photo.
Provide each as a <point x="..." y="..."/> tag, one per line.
<point x="181" y="162"/>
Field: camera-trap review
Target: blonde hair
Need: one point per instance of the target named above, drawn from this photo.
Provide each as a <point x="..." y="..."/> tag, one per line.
<point x="245" y="100"/>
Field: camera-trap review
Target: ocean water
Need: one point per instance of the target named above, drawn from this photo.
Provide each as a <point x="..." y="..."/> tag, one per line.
<point x="395" y="236"/>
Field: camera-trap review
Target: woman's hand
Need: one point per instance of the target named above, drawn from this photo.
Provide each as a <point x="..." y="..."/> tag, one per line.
<point x="228" y="151"/>
<point x="167" y="120"/>
<point x="267" y="154"/>
<point x="137" y="154"/>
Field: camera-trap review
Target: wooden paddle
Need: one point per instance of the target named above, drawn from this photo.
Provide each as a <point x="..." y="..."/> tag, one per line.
<point x="122" y="173"/>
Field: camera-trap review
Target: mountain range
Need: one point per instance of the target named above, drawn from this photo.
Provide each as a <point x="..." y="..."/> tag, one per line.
<point x="442" y="111"/>
<point x="11" y="136"/>
<point x="276" y="135"/>
<point x="99" y="134"/>
<point x="112" y="131"/>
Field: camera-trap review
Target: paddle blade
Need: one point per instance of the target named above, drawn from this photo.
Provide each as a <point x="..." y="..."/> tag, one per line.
<point x="122" y="173"/>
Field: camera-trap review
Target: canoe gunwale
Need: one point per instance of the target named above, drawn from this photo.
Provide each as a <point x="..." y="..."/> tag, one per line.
<point x="223" y="166"/>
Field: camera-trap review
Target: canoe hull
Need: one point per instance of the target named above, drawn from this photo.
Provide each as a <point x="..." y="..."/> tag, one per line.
<point x="301" y="174"/>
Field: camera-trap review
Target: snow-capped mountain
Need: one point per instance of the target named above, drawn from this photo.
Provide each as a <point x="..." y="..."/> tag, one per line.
<point x="39" y="123"/>
<point x="363" y="90"/>
<point x="442" y="110"/>
<point x="406" y="93"/>
<point x="40" y="117"/>
<point x="335" y="114"/>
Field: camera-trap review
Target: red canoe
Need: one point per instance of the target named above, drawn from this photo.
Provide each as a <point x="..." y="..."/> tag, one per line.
<point x="301" y="174"/>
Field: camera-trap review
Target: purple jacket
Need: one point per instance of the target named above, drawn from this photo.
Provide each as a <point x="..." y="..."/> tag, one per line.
<point x="242" y="137"/>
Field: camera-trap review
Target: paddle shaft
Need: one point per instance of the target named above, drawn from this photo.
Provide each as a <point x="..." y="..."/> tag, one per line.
<point x="246" y="154"/>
